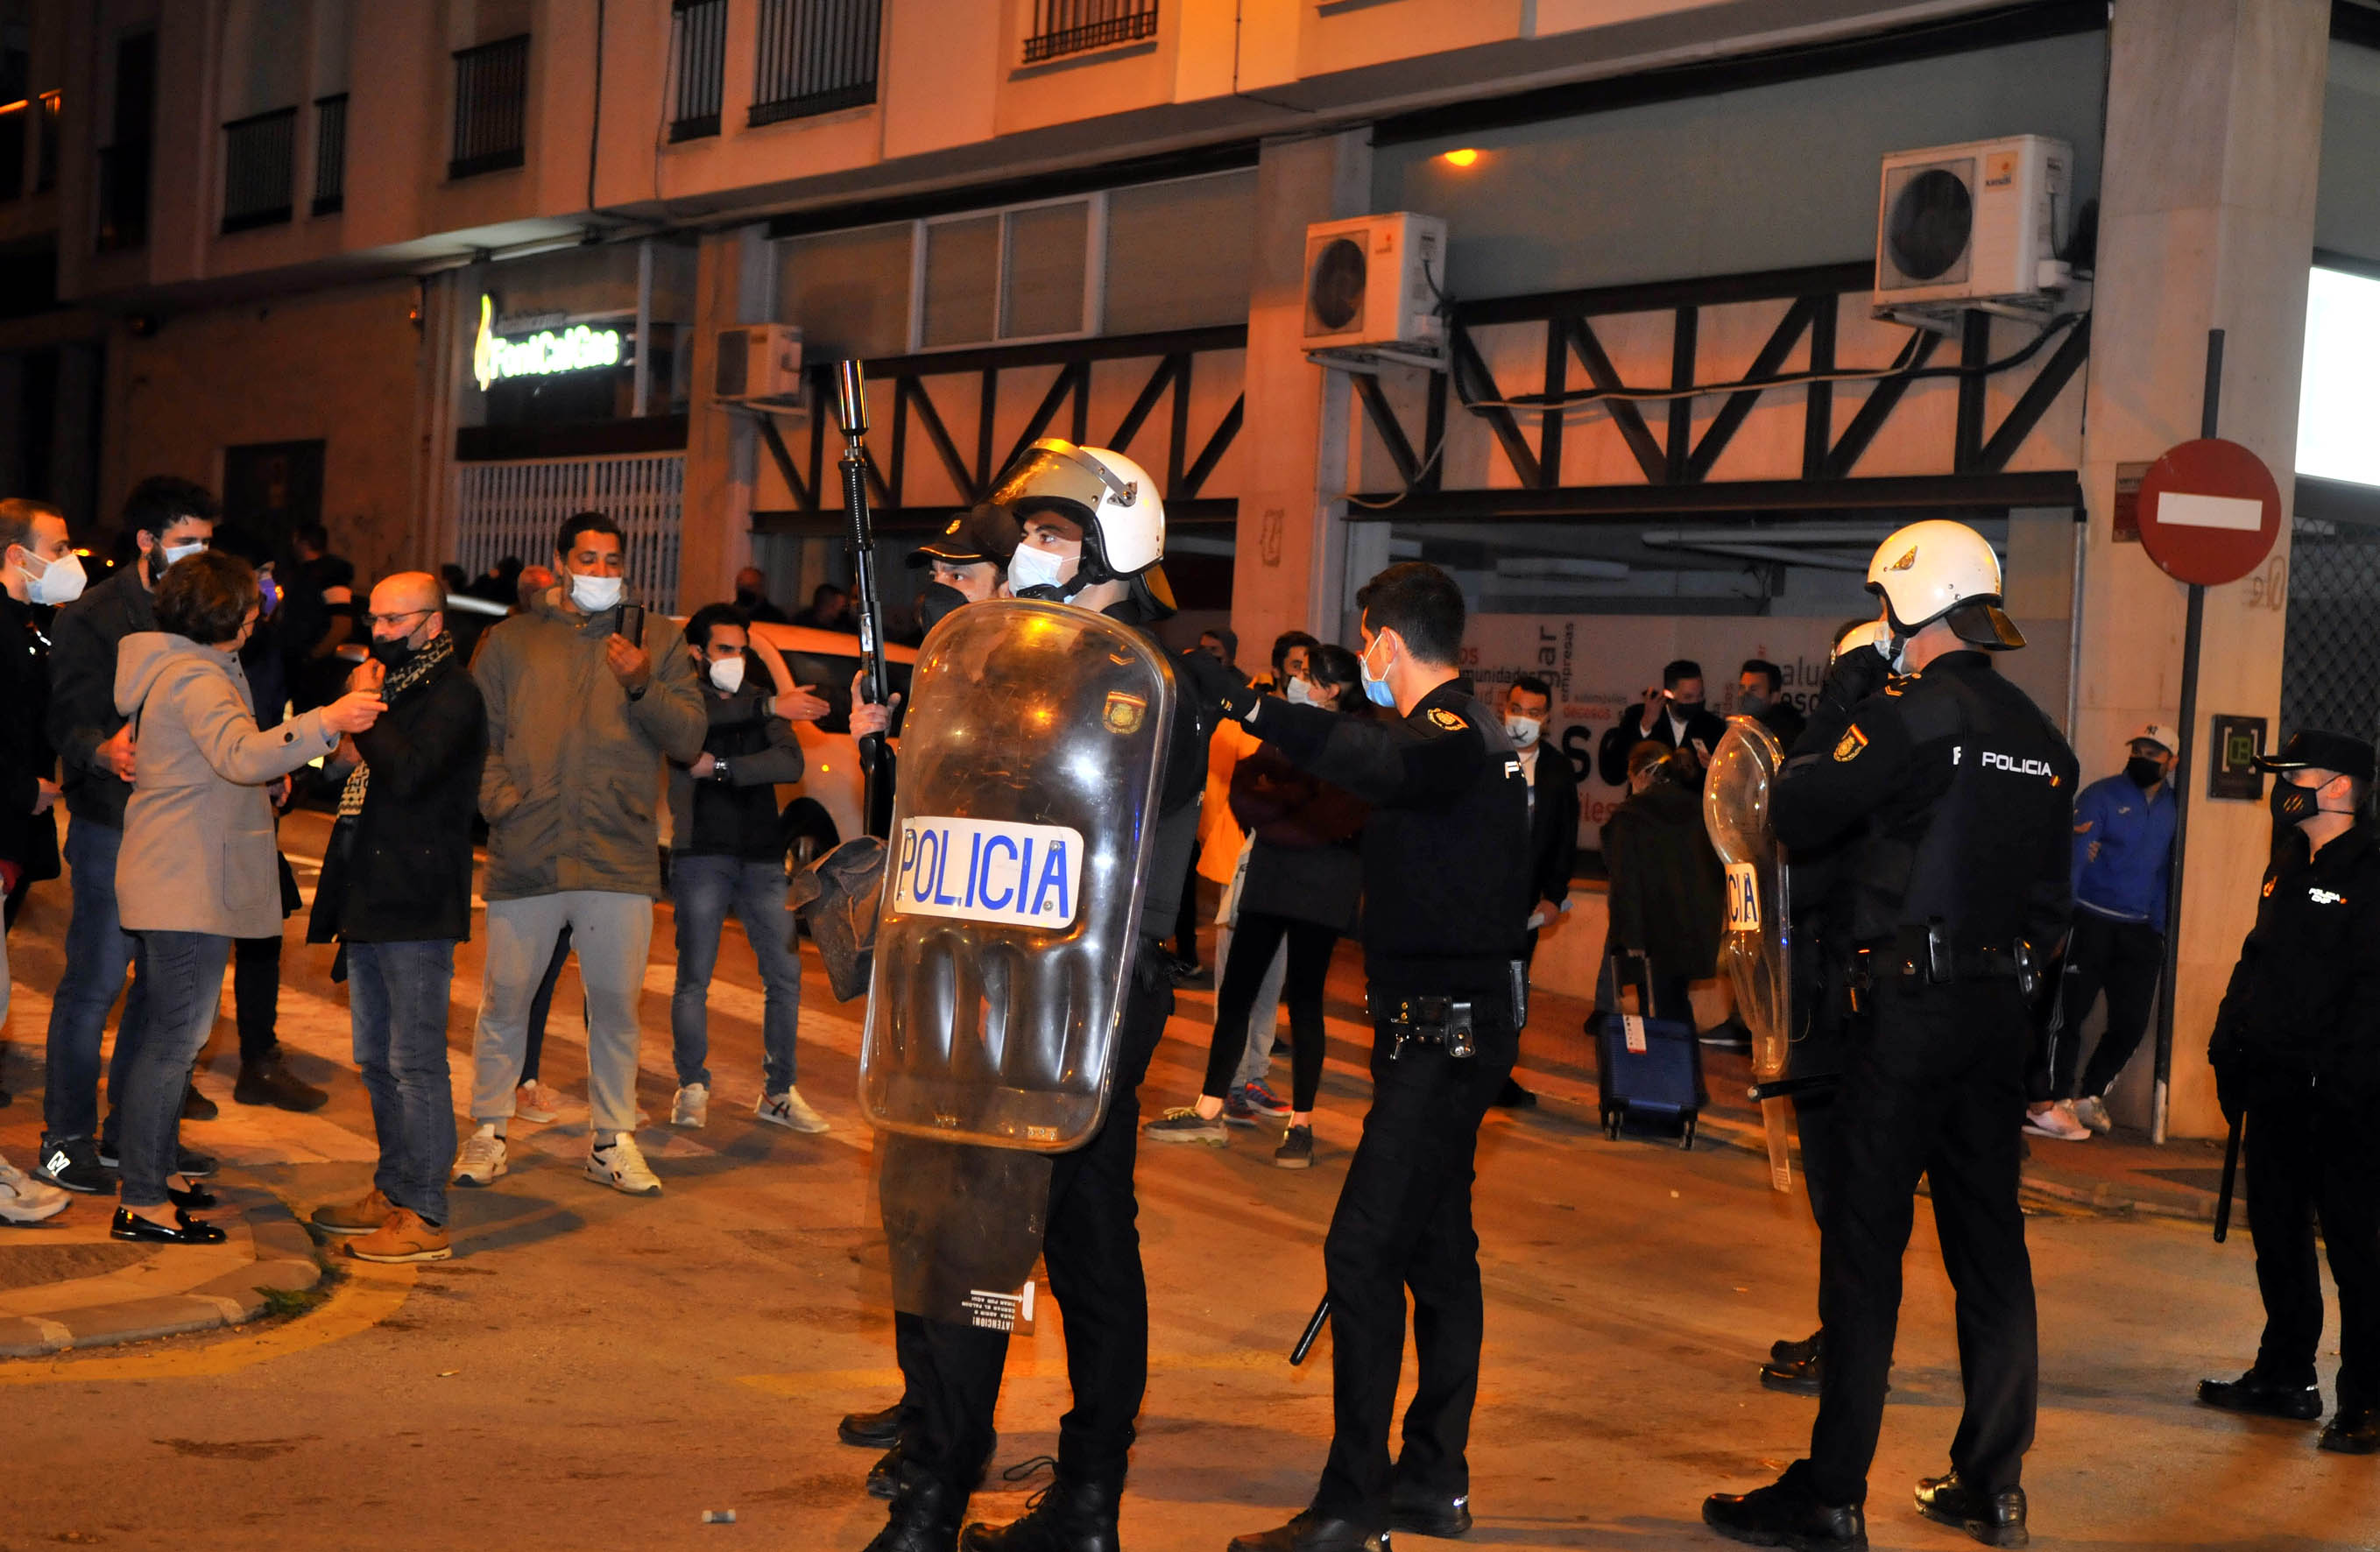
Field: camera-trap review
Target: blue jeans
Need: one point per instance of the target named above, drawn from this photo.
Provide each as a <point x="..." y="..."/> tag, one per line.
<point x="396" y="997"/>
<point x="704" y="890"/>
<point x="98" y="954"/>
<point x="185" y="975"/>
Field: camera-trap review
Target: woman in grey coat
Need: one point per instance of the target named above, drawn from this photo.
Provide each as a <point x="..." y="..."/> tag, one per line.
<point x="197" y="869"/>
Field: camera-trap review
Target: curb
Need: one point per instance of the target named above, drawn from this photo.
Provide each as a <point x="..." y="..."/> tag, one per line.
<point x="284" y="1262"/>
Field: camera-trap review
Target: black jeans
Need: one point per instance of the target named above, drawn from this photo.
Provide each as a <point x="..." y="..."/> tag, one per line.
<point x="1185" y="917"/>
<point x="256" y="997"/>
<point x="2126" y="960"/>
<point x="2312" y="1157"/>
<point x="1403" y="1221"/>
<point x="1091" y="1250"/>
<point x="1933" y="1086"/>
<point x="1254" y="942"/>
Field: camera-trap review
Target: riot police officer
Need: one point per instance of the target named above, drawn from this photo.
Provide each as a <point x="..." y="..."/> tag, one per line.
<point x="1446" y="896"/>
<point x="1958" y="795"/>
<point x="1094" y="534"/>
<point x="2296" y="1051"/>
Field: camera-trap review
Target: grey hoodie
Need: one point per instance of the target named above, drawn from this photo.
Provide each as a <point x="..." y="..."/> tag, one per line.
<point x="198" y="853"/>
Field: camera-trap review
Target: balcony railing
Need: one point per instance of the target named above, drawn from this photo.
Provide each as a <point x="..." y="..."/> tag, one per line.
<point x="45" y="156"/>
<point x="491" y="107"/>
<point x="123" y="196"/>
<point x="699" y="39"/>
<point x="260" y="169"/>
<point x="16" y="126"/>
<point x="1063" y="27"/>
<point x="816" y="56"/>
<point x="331" y="154"/>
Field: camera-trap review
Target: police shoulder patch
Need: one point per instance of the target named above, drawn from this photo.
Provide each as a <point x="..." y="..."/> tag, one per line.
<point x="1447" y="720"/>
<point x="1848" y="748"/>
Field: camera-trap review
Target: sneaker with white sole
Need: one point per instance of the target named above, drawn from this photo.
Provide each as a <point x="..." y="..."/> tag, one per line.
<point x="536" y="1102"/>
<point x="2092" y="1111"/>
<point x="2058" y="1122"/>
<point x="622" y="1167"/>
<point x="24" y="1199"/>
<point x="789" y="1110"/>
<point x="691" y="1109"/>
<point x="482" y="1159"/>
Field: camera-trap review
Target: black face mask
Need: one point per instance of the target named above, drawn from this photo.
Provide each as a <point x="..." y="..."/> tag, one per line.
<point x="746" y="598"/>
<point x="1684" y="709"/>
<point x="936" y="599"/>
<point x="393" y="654"/>
<point x="2293" y="804"/>
<point x="2143" y="772"/>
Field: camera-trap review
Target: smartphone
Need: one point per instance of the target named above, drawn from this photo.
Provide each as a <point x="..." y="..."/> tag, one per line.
<point x="632" y="622"/>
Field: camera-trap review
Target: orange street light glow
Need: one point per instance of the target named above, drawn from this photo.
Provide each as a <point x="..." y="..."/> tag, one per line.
<point x="1463" y="158"/>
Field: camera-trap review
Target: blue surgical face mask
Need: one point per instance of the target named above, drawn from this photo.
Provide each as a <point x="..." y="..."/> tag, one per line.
<point x="1034" y="567"/>
<point x="1375" y="690"/>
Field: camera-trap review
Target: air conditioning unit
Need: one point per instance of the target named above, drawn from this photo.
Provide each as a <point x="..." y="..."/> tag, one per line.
<point x="1374" y="284"/>
<point x="759" y="362"/>
<point x="1975" y="225"/>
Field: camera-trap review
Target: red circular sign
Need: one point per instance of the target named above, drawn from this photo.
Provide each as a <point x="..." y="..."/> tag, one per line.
<point x="2209" y="512"/>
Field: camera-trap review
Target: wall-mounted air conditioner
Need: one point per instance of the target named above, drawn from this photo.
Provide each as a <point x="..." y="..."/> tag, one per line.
<point x="759" y="363"/>
<point x="1979" y="224"/>
<point x="1374" y="285"/>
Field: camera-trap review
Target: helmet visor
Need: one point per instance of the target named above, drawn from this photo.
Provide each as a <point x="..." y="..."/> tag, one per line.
<point x="1055" y="473"/>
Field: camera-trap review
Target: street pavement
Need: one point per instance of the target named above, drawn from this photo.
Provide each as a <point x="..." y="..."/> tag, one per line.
<point x="597" y="1371"/>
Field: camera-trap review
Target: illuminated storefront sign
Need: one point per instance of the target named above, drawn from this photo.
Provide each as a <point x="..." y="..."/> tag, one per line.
<point x="576" y="348"/>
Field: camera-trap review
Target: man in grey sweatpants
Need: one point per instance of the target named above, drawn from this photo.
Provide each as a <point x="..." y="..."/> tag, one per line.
<point x="580" y="718"/>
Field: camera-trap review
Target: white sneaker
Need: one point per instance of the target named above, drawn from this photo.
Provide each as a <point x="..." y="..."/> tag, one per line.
<point x="622" y="1167"/>
<point x="536" y="1102"/>
<point x="789" y="1110"/>
<point x="24" y="1199"/>
<point x="482" y="1159"/>
<point x="2058" y="1122"/>
<point x="692" y="1106"/>
<point x="2092" y="1111"/>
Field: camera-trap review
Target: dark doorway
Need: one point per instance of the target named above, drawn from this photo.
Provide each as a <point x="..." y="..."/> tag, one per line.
<point x="270" y="486"/>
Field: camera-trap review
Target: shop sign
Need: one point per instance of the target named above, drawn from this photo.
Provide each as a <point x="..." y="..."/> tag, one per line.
<point x="577" y="348"/>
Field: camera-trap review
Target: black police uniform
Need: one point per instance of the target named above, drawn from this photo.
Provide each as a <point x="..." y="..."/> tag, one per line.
<point x="1446" y="895"/>
<point x="1090" y="1248"/>
<point x="1962" y="796"/>
<point x="2296" y="1050"/>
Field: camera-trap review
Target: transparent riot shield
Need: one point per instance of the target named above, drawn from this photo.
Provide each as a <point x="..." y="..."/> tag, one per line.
<point x="1021" y="835"/>
<point x="1736" y="811"/>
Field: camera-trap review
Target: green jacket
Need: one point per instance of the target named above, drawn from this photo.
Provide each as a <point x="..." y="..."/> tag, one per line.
<point x="574" y="766"/>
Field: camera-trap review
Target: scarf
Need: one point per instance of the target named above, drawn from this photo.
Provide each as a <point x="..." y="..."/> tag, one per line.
<point x="418" y="667"/>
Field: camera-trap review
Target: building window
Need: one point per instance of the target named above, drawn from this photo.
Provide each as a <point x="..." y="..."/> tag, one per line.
<point x="491" y="107"/>
<point x="331" y="154"/>
<point x="125" y="162"/>
<point x="1025" y="274"/>
<point x="259" y="168"/>
<point x="45" y="156"/>
<point x="1063" y="27"/>
<point x="816" y="56"/>
<point x="16" y="131"/>
<point x="699" y="39"/>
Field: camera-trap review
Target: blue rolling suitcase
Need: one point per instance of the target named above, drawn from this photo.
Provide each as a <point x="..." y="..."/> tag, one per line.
<point x="1645" y="1063"/>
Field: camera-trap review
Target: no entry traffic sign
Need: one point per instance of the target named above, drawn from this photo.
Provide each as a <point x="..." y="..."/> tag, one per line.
<point x="2209" y="512"/>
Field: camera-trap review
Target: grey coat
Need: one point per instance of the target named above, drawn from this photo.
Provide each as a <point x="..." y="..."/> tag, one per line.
<point x="198" y="853"/>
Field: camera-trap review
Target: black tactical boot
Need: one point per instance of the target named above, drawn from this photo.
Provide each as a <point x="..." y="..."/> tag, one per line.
<point x="1310" y="1531"/>
<point x="1786" y="1513"/>
<point x="1417" y="1511"/>
<point x="1796" y="1368"/>
<point x="1073" y="1514"/>
<point x="1994" y="1519"/>
<point x="926" y="1514"/>
<point x="886" y="1473"/>
<point x="871" y="1430"/>
<point x="2355" y="1431"/>
<point x="2262" y="1395"/>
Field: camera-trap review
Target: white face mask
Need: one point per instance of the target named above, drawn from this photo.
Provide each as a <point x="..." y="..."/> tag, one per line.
<point x="58" y="581"/>
<point x="728" y="674"/>
<point x="1298" y="692"/>
<point x="1034" y="567"/>
<point x="594" y="594"/>
<point x="1524" y="731"/>
<point x="181" y="551"/>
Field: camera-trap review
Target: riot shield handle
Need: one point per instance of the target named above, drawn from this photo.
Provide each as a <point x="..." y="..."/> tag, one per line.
<point x="851" y="415"/>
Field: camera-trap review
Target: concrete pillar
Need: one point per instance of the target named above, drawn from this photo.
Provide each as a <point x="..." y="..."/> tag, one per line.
<point x="1293" y="442"/>
<point x="735" y="282"/>
<point x="2206" y="222"/>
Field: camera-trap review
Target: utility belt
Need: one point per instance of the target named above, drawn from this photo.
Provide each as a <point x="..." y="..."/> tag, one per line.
<point x="1927" y="955"/>
<point x="1446" y="1021"/>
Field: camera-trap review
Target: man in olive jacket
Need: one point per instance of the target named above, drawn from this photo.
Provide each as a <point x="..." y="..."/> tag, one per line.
<point x="580" y="720"/>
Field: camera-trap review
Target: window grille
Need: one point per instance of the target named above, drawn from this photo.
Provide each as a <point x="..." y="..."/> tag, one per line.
<point x="491" y="107"/>
<point x="1063" y="27"/>
<point x="331" y="154"/>
<point x="259" y="168"/>
<point x="816" y="56"/>
<point x="698" y="39"/>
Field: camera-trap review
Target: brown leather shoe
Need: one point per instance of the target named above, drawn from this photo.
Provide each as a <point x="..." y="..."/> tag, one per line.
<point x="361" y="1216"/>
<point x="404" y="1237"/>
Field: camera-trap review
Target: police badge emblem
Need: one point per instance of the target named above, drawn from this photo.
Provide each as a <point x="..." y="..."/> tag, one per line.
<point x="1848" y="748"/>
<point x="1123" y="713"/>
<point x="1447" y="720"/>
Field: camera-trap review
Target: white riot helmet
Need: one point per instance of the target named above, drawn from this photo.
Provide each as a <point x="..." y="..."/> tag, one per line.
<point x="1872" y="633"/>
<point x="1111" y="498"/>
<point x="1941" y="570"/>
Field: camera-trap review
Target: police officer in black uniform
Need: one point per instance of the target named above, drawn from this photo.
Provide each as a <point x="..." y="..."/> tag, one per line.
<point x="1961" y="794"/>
<point x="1094" y="530"/>
<point x="2296" y="1052"/>
<point x="1446" y="895"/>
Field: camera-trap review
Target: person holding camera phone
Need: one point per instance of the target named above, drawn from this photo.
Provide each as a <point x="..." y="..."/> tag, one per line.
<point x="1672" y="713"/>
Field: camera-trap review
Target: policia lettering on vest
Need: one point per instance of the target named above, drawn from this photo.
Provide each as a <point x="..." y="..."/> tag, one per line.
<point x="1953" y="797"/>
<point x="1446" y="901"/>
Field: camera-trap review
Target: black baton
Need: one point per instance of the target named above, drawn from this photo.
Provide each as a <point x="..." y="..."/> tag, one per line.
<point x="1313" y="1329"/>
<point x="2230" y="1178"/>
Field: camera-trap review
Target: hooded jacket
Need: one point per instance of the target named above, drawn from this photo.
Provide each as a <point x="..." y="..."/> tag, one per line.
<point x="198" y="853"/>
<point x="574" y="763"/>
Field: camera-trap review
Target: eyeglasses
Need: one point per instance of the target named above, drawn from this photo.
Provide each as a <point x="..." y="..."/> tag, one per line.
<point x="377" y="619"/>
